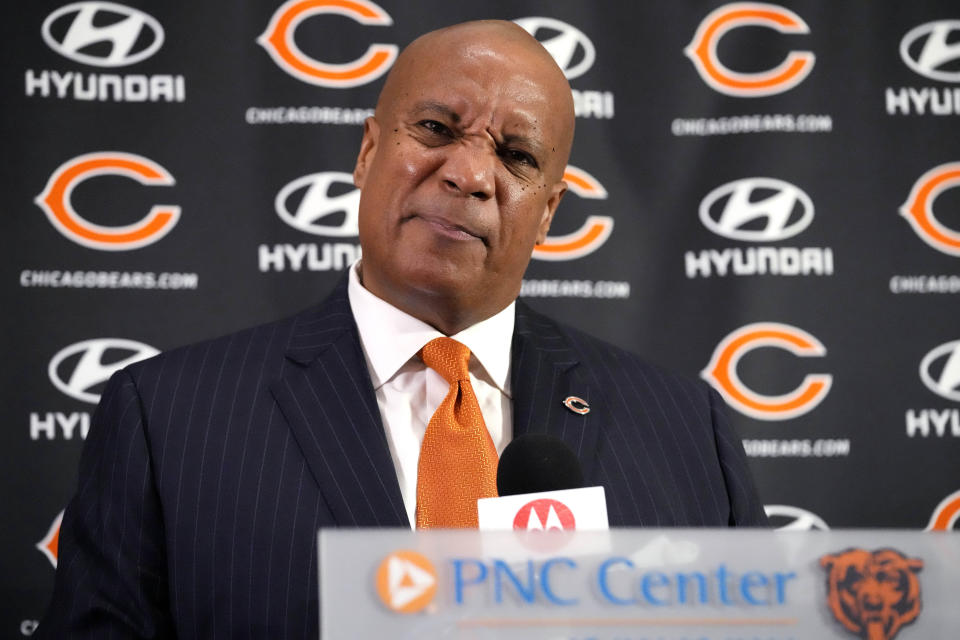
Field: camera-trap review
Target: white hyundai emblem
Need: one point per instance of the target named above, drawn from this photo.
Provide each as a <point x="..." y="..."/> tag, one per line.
<point x="129" y="37"/>
<point x="316" y="204"/>
<point x="757" y="210"/>
<point x="93" y="367"/>
<point x="933" y="49"/>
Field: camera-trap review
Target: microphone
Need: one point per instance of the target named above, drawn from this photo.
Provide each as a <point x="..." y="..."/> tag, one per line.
<point x="533" y="463"/>
<point x="540" y="487"/>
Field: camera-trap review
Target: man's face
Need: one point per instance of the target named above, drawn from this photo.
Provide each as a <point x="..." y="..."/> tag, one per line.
<point x="460" y="174"/>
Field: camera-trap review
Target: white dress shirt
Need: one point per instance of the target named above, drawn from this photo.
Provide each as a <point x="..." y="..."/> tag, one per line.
<point x="408" y="392"/>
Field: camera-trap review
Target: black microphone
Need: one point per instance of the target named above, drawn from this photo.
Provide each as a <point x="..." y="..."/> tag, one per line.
<point x="533" y="463"/>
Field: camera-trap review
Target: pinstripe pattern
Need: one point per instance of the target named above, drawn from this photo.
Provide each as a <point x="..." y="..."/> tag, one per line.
<point x="208" y="470"/>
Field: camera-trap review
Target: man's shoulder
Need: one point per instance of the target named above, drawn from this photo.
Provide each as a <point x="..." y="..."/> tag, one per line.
<point x="259" y="345"/>
<point x="607" y="361"/>
<point x="254" y="344"/>
<point x="587" y="346"/>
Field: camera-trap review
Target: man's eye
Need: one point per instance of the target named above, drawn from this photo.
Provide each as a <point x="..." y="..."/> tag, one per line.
<point x="519" y="157"/>
<point x="435" y="127"/>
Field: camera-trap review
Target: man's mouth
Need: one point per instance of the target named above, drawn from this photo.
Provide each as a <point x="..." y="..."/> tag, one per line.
<point x="448" y="229"/>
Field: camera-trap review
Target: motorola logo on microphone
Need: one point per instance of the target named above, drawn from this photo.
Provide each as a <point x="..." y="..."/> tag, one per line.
<point x="544" y="515"/>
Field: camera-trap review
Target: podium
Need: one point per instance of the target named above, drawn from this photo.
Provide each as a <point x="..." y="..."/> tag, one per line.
<point x="639" y="584"/>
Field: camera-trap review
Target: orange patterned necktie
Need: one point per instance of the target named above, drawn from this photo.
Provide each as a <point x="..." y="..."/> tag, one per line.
<point x="458" y="462"/>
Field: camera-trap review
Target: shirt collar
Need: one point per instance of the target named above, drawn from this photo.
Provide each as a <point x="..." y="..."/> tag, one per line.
<point x="391" y="337"/>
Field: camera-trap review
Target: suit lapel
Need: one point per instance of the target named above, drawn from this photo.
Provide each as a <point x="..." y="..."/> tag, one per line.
<point x="545" y="372"/>
<point x="327" y="398"/>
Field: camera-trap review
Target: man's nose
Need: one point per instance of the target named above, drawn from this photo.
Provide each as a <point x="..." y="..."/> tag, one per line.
<point x="468" y="170"/>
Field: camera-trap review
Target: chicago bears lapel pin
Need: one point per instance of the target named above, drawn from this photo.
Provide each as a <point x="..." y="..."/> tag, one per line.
<point x="577" y="405"/>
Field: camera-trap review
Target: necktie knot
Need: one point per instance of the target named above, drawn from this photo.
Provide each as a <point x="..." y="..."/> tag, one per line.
<point x="449" y="358"/>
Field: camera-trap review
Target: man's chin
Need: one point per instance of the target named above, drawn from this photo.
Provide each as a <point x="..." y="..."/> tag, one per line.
<point x="442" y="282"/>
<point x="442" y="295"/>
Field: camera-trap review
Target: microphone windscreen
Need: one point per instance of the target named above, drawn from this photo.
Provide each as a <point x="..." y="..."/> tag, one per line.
<point x="533" y="463"/>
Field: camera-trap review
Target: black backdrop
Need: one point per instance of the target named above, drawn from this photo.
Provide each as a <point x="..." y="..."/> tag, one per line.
<point x="762" y="193"/>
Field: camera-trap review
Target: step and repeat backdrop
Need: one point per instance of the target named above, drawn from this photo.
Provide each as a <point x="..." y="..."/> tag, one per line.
<point x="763" y="195"/>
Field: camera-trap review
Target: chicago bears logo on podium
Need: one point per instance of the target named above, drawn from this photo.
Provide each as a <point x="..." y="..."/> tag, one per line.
<point x="873" y="594"/>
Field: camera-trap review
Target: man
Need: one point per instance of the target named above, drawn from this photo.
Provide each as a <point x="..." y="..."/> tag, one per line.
<point x="210" y="468"/>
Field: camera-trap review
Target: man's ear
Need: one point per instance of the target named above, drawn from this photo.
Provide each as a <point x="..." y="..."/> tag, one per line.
<point x="556" y="195"/>
<point x="368" y="150"/>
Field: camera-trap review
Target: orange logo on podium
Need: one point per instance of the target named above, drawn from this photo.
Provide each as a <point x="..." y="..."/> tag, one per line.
<point x="873" y="594"/>
<point x="406" y="582"/>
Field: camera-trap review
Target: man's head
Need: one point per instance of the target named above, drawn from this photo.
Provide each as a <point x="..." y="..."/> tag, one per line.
<point x="461" y="170"/>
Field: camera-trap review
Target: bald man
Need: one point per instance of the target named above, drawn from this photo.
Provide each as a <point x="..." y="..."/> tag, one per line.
<point x="461" y="171"/>
<point x="210" y="468"/>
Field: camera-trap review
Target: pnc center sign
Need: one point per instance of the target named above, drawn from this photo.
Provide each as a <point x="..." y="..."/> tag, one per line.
<point x="407" y="582"/>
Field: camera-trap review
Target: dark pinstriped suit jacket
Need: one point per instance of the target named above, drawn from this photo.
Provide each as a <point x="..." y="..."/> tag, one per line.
<point x="209" y="469"/>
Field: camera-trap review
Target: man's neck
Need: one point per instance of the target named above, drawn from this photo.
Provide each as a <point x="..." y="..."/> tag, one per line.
<point x="444" y="313"/>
